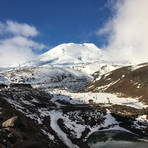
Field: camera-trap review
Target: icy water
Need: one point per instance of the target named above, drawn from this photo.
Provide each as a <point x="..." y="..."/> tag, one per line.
<point x="115" y="139"/>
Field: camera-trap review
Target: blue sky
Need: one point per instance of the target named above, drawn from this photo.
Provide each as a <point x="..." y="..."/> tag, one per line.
<point x="32" y="27"/>
<point x="59" y="21"/>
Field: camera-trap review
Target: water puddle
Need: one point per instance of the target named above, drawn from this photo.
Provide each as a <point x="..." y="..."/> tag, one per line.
<point x="115" y="139"/>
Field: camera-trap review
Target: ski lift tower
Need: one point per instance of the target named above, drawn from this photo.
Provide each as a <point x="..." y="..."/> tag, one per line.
<point x="108" y="100"/>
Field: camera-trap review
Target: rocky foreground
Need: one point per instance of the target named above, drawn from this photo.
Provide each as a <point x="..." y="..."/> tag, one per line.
<point x="19" y="131"/>
<point x="35" y="119"/>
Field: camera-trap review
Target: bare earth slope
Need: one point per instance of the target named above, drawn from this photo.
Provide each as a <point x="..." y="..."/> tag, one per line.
<point x="127" y="81"/>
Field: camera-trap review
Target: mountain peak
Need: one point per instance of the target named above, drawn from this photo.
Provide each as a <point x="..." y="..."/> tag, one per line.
<point x="73" y="54"/>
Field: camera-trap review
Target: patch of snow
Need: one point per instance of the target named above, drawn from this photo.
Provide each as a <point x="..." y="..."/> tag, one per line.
<point x="97" y="98"/>
<point x="54" y="116"/>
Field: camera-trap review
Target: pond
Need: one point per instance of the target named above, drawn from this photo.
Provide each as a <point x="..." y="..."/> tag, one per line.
<point x="115" y="139"/>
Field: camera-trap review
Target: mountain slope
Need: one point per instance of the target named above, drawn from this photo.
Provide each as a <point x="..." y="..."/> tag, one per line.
<point x="47" y="77"/>
<point x="28" y="130"/>
<point x="128" y="81"/>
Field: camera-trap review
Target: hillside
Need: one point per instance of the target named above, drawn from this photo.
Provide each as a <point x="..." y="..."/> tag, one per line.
<point x="128" y="81"/>
<point x="19" y="123"/>
<point x="47" y="77"/>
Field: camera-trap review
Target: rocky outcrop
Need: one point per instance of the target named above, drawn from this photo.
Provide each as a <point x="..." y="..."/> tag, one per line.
<point x="13" y="133"/>
<point x="126" y="116"/>
<point x="12" y="122"/>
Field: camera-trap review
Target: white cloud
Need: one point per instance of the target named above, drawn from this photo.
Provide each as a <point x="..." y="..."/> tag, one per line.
<point x="127" y="30"/>
<point x="21" y="42"/>
<point x="18" y="29"/>
<point x="18" y="48"/>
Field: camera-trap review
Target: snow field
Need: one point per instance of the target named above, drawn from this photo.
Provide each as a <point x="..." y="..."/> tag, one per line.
<point x="54" y="117"/>
<point x="82" y="98"/>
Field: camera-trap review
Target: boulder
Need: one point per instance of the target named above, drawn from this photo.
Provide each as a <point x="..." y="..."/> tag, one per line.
<point x="10" y="136"/>
<point x="12" y="122"/>
<point x="2" y="146"/>
<point x="4" y="135"/>
<point x="15" y="135"/>
<point x="15" y="132"/>
<point x="2" y="114"/>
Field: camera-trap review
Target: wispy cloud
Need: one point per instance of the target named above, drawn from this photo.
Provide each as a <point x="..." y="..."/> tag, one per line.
<point x="18" y="47"/>
<point x="127" y="30"/>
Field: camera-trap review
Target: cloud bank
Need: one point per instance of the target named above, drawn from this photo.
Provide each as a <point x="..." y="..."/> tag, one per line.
<point x="127" y="30"/>
<point x="16" y="45"/>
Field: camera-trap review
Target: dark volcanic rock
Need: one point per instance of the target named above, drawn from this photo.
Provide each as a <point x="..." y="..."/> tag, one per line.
<point x="2" y="146"/>
<point x="126" y="116"/>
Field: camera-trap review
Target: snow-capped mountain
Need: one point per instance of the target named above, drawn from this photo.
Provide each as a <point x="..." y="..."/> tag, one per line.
<point x="78" y="56"/>
<point x="69" y="65"/>
<point x="70" y="54"/>
<point x="74" y="54"/>
<point x="63" y="114"/>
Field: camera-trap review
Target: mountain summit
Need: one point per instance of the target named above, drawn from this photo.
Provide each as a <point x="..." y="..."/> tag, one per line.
<point x="71" y="54"/>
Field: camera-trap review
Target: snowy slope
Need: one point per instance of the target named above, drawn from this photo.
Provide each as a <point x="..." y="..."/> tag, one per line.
<point x="47" y="77"/>
<point x="70" y="54"/>
<point x="100" y="68"/>
<point x="73" y="78"/>
<point x="73" y="54"/>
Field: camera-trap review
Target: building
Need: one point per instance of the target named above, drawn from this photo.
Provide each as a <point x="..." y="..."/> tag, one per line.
<point x="3" y="85"/>
<point x="90" y="101"/>
<point x="18" y="86"/>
